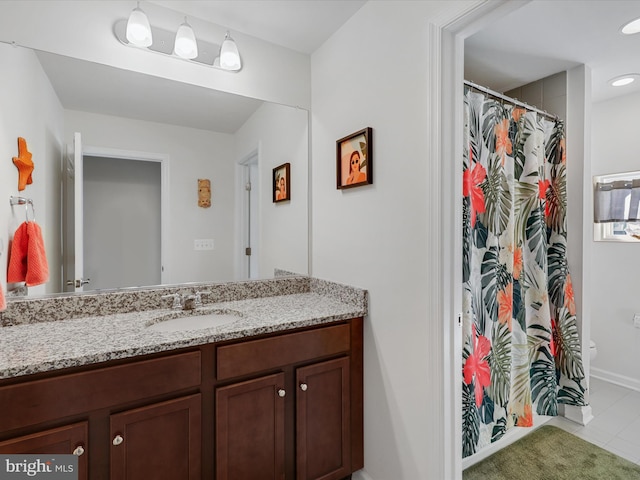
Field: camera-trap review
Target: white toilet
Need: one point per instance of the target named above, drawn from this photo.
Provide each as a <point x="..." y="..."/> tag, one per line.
<point x="593" y="351"/>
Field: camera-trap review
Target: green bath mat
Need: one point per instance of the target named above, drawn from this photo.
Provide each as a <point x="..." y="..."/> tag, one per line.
<point x="550" y="453"/>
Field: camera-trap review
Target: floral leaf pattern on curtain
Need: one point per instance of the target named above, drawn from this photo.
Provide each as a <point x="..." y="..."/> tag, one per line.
<point x="521" y="350"/>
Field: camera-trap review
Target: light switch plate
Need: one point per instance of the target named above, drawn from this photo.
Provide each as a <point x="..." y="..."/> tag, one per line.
<point x="203" y="244"/>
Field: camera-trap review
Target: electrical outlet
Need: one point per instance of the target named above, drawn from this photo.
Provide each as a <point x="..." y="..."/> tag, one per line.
<point x="203" y="244"/>
<point x="636" y="320"/>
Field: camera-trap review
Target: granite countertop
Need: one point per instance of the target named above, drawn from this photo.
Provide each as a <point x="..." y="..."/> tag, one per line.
<point x="51" y="345"/>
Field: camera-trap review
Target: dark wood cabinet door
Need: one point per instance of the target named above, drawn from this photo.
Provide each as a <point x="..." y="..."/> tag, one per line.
<point x="250" y="429"/>
<point x="160" y="441"/>
<point x="323" y="440"/>
<point x="64" y="440"/>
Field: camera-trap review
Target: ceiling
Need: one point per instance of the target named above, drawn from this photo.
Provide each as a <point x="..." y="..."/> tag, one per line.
<point x="548" y="36"/>
<point x="92" y="87"/>
<point x="300" y="25"/>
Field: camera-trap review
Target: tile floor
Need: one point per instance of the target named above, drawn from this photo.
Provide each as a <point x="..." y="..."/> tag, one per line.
<point x="616" y="423"/>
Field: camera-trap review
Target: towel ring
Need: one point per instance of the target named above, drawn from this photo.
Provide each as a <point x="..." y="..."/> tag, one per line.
<point x="26" y="202"/>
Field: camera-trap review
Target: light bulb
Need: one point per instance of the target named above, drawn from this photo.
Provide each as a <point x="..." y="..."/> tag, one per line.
<point x="138" y="28"/>
<point x="186" y="45"/>
<point x="229" y="56"/>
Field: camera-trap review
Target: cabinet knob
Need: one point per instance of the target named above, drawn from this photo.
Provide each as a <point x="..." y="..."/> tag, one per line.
<point x="78" y="451"/>
<point x="117" y="440"/>
<point x="281" y="392"/>
<point x="303" y="387"/>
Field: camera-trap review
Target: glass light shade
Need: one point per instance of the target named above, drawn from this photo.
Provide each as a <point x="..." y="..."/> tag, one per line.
<point x="229" y="56"/>
<point x="138" y="29"/>
<point x="186" y="45"/>
<point x="631" y="27"/>
<point x="622" y="81"/>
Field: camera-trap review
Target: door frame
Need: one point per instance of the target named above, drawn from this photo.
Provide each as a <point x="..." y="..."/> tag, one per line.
<point x="163" y="159"/>
<point x="242" y="177"/>
<point x="445" y="137"/>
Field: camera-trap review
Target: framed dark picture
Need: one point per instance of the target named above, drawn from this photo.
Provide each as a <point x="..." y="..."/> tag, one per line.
<point x="354" y="159"/>
<point x="281" y="183"/>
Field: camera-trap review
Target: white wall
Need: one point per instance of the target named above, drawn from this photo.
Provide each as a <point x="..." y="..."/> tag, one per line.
<point x="30" y="110"/>
<point x="614" y="282"/>
<point x="84" y="29"/>
<point x="376" y="236"/>
<point x="281" y="135"/>
<point x="192" y="154"/>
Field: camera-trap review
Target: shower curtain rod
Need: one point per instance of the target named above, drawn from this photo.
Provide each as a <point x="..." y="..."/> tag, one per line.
<point x="493" y="93"/>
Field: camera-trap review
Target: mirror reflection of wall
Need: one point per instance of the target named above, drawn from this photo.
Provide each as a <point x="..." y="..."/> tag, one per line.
<point x="277" y="133"/>
<point x="616" y="207"/>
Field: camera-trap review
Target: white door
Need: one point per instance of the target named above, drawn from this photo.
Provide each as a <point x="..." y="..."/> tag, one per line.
<point x="74" y="280"/>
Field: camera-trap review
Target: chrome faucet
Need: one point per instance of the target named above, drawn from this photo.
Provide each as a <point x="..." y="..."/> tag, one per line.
<point x="189" y="302"/>
<point x="177" y="300"/>
<point x="186" y="302"/>
<point x="198" y="299"/>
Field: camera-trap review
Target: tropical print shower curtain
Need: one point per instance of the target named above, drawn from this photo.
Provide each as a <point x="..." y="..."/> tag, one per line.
<point x="521" y="352"/>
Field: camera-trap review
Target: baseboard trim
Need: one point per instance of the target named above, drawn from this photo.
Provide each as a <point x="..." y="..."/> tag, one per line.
<point x="614" y="378"/>
<point x="361" y="475"/>
<point x="580" y="415"/>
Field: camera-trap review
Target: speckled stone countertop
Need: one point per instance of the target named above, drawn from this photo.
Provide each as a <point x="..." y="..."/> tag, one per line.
<point x="40" y="346"/>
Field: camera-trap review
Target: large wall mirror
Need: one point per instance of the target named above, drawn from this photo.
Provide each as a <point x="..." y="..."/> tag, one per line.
<point x="145" y="144"/>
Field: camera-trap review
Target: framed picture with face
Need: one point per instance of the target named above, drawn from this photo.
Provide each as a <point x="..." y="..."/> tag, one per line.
<point x="281" y="183"/>
<point x="354" y="159"/>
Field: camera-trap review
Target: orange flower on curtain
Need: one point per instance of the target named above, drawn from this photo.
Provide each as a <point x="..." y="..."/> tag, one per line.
<point x="476" y="367"/>
<point x="503" y="143"/>
<point x="471" y="180"/>
<point x="543" y="186"/>
<point x="517" y="263"/>
<point x="569" y="300"/>
<point x="505" y="305"/>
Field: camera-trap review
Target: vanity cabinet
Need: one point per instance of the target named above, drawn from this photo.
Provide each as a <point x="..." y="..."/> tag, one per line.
<point x="159" y="441"/>
<point x="250" y="440"/>
<point x="131" y="398"/>
<point x="323" y="411"/>
<point x="63" y="440"/>
<point x="278" y="406"/>
<point x="295" y="419"/>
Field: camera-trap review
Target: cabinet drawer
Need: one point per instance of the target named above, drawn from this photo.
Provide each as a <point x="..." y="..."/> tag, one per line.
<point x="260" y="355"/>
<point x="42" y="400"/>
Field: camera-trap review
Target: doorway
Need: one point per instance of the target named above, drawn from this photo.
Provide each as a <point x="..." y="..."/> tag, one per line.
<point x="119" y="187"/>
<point x="122" y="222"/>
<point x="249" y="225"/>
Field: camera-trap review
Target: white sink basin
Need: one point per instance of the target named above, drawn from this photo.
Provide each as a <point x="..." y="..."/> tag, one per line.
<point x="193" y="322"/>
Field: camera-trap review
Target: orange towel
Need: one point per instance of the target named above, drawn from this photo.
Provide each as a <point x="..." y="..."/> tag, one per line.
<point x="17" y="269"/>
<point x="37" y="266"/>
<point x="28" y="259"/>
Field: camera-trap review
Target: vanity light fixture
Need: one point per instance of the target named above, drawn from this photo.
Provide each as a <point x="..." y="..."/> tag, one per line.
<point x="632" y="27"/>
<point x="138" y="28"/>
<point x="623" y="80"/>
<point x="137" y="32"/>
<point x="185" y="45"/>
